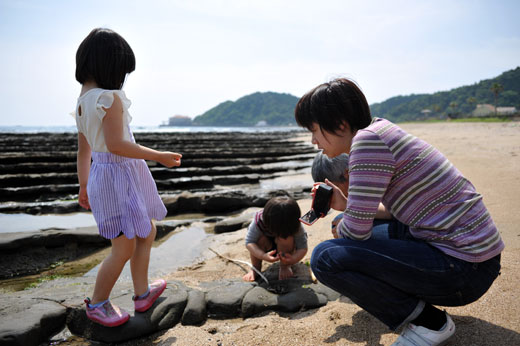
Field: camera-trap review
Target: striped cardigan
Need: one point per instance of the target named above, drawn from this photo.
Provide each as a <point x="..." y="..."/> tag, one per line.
<point x="421" y="188"/>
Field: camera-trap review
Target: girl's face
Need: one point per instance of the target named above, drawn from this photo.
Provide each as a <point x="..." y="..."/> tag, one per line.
<point x="332" y="144"/>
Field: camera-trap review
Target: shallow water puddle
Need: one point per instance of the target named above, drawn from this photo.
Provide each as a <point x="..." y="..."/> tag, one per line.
<point x="289" y="181"/>
<point x="29" y="223"/>
<point x="180" y="249"/>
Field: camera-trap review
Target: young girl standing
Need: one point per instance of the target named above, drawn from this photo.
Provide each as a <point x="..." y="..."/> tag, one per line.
<point x="118" y="186"/>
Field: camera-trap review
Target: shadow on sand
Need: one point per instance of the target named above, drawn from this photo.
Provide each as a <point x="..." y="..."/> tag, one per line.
<point x="470" y="331"/>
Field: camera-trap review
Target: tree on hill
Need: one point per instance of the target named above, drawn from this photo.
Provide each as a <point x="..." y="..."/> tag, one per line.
<point x="496" y="88"/>
<point x="452" y="113"/>
<point x="410" y="107"/>
<point x="275" y="109"/>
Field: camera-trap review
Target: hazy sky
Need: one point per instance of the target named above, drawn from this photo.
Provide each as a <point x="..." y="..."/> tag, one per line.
<point x="193" y="55"/>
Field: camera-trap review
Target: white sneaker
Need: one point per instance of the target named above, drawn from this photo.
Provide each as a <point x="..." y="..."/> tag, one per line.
<point x="414" y="335"/>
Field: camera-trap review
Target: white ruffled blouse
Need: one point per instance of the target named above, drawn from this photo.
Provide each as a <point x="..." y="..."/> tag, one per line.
<point x="90" y="122"/>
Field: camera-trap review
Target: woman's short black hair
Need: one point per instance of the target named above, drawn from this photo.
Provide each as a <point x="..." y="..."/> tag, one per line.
<point x="104" y="57"/>
<point x="332" y="104"/>
<point x="281" y="216"/>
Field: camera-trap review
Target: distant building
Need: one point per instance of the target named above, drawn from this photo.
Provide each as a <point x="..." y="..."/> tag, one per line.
<point x="506" y="110"/>
<point x="179" y="120"/>
<point x="261" y="123"/>
<point x="484" y="110"/>
<point x="426" y="113"/>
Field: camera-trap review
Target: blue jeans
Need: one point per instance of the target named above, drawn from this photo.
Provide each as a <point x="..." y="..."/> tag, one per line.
<point x="392" y="275"/>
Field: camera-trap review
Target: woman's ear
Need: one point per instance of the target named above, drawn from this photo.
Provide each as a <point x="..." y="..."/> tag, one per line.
<point x="344" y="127"/>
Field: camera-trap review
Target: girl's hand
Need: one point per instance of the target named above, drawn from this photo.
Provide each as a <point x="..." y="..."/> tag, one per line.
<point x="286" y="258"/>
<point x="170" y="159"/>
<point x="83" y="198"/>
<point x="270" y="256"/>
<point x="334" y="225"/>
<point x="334" y="230"/>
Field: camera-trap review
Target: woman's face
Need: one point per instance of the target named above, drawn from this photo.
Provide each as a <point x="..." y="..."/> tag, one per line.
<point x="332" y="144"/>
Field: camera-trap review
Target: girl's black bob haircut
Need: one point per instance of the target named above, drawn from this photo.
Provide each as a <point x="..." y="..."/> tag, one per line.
<point x="104" y="57"/>
<point x="330" y="105"/>
<point x="281" y="216"/>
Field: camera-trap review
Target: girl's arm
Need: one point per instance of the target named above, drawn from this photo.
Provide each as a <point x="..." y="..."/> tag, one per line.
<point x="293" y="258"/>
<point x="257" y="252"/>
<point x="83" y="166"/>
<point x="116" y="144"/>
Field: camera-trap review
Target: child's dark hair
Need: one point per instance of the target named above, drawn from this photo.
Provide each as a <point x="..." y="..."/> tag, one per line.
<point x="332" y="104"/>
<point x="281" y="216"/>
<point x="104" y="57"/>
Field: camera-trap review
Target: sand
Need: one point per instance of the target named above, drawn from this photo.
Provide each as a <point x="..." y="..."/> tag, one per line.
<point x="488" y="154"/>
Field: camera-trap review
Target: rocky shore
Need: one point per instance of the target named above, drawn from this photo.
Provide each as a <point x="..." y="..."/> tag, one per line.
<point x="281" y="315"/>
<point x="220" y="173"/>
<point x="38" y="171"/>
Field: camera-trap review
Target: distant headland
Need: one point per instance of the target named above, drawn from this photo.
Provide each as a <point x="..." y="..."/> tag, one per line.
<point x="495" y="97"/>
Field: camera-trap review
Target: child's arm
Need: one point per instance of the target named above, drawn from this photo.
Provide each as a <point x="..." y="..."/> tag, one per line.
<point x="83" y="166"/>
<point x="113" y="131"/>
<point x="257" y="252"/>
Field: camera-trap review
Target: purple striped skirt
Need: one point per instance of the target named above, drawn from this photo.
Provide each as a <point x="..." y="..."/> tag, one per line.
<point x="123" y="196"/>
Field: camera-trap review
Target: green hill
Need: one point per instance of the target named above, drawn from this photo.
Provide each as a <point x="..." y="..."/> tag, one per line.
<point x="458" y="102"/>
<point x="274" y="109"/>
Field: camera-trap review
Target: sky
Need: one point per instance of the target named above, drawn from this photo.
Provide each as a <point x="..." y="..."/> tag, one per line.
<point x="193" y="55"/>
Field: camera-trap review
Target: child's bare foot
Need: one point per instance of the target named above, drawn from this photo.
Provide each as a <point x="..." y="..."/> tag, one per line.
<point x="285" y="273"/>
<point x="249" y="277"/>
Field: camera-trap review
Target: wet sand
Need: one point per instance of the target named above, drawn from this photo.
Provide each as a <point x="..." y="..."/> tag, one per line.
<point x="488" y="154"/>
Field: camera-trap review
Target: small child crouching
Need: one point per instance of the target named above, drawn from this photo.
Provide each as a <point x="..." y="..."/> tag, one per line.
<point x="276" y="234"/>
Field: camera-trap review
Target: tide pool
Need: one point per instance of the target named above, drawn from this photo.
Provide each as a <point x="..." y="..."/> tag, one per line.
<point x="29" y="223"/>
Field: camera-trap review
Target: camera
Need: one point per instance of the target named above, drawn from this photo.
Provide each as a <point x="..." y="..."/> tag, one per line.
<point x="320" y="205"/>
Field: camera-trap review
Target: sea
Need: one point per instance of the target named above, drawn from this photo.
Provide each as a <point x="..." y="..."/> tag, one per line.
<point x="28" y="223"/>
<point x="164" y="129"/>
<point x="188" y="244"/>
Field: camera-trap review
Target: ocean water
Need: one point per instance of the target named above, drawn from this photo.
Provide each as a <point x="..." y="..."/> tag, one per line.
<point x="164" y="129"/>
<point x="28" y="223"/>
<point x="10" y="223"/>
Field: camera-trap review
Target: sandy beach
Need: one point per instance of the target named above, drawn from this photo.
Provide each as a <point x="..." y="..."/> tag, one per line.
<point x="488" y="154"/>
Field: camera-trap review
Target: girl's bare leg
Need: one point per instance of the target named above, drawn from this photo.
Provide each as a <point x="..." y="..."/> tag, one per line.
<point x="140" y="261"/>
<point x="252" y="275"/>
<point x="109" y="271"/>
<point x="265" y="244"/>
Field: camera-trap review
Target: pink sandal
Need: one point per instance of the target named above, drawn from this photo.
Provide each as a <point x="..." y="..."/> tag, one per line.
<point x="154" y="291"/>
<point x="106" y="314"/>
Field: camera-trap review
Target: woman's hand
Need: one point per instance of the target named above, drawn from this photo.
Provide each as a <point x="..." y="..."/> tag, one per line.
<point x="270" y="256"/>
<point x="170" y="159"/>
<point x="83" y="198"/>
<point x="338" y="200"/>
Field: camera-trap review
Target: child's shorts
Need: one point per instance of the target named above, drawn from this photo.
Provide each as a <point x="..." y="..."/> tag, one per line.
<point x="123" y="196"/>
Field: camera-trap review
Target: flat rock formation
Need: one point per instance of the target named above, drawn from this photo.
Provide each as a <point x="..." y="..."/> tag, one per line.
<point x="34" y="316"/>
<point x="220" y="174"/>
<point x="38" y="170"/>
